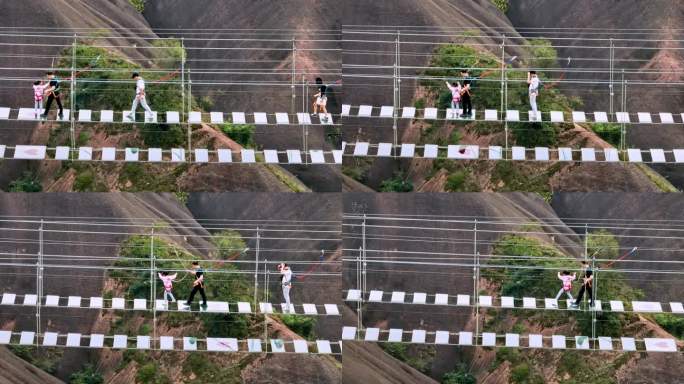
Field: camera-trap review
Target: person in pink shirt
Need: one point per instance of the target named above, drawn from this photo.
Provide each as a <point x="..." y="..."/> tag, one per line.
<point x="567" y="280"/>
<point x="38" y="89"/>
<point x="168" y="285"/>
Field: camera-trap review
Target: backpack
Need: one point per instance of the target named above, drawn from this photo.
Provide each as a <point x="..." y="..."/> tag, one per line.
<point x="567" y="284"/>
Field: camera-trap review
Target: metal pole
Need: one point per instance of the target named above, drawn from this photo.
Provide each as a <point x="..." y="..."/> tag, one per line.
<point x="256" y="266"/>
<point x="476" y="281"/>
<point x="363" y="254"/>
<point x="183" y="114"/>
<point x="611" y="61"/>
<point x="586" y="241"/>
<point x="189" y="109"/>
<point x="359" y="303"/>
<point x="623" y="128"/>
<point x="266" y="278"/>
<point x="294" y="75"/>
<point x="395" y="88"/>
<point x="153" y="286"/>
<point x="593" y="299"/>
<point x="72" y="98"/>
<point x="504" y="92"/>
<point x="305" y="110"/>
<point x="39" y="280"/>
<point x="398" y="68"/>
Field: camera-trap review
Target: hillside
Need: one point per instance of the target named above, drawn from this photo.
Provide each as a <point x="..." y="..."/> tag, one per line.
<point x="498" y="365"/>
<point x="115" y="32"/>
<point x="188" y="238"/>
<point x="656" y="20"/>
<point x="433" y="19"/>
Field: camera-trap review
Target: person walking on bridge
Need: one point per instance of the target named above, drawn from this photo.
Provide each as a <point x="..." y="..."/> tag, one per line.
<point x="139" y="98"/>
<point x="286" y="283"/>
<point x="197" y="285"/>
<point x="533" y="81"/>
<point x="587" y="285"/>
<point x="52" y="93"/>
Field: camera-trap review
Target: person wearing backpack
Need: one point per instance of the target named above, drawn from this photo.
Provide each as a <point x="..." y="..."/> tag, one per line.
<point x="197" y="285"/>
<point x="52" y="93"/>
<point x="533" y="90"/>
<point x="168" y="285"/>
<point x="567" y="280"/>
<point x="139" y="98"/>
<point x="286" y="283"/>
<point x="455" y="89"/>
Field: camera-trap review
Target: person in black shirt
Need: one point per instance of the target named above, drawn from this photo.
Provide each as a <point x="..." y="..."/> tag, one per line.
<point x="52" y="93"/>
<point x="586" y="286"/>
<point x="197" y="285"/>
<point x="466" y="101"/>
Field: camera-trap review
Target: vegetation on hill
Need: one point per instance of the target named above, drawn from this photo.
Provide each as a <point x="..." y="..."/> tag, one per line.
<point x="223" y="282"/>
<point x="535" y="276"/>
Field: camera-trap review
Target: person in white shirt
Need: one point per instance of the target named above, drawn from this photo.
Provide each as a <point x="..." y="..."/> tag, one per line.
<point x="139" y="97"/>
<point x="286" y="282"/>
<point x="533" y="81"/>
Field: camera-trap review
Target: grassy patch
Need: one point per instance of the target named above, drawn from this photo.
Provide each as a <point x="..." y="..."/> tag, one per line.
<point x="456" y="181"/>
<point x="205" y="370"/>
<point x="396" y="184"/>
<point x="662" y="183"/>
<point x="609" y="132"/>
<point x="502" y="5"/>
<point x="222" y="283"/>
<point x="138" y="177"/>
<point x="459" y="376"/>
<point x="46" y="359"/>
<point x="419" y="358"/>
<point x="28" y="182"/>
<point x="671" y="323"/>
<point x="292" y="183"/>
<point x="87" y="375"/>
<point x="242" y="134"/>
<point x="301" y="325"/>
<point x="139" y="5"/>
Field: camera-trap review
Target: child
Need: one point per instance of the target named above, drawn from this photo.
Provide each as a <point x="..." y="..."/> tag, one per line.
<point x="286" y="282"/>
<point x="455" y="89"/>
<point x="567" y="279"/>
<point x="320" y="99"/>
<point x="38" y="89"/>
<point x="168" y="285"/>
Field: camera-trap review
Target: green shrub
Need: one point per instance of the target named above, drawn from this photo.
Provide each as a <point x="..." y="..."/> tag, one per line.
<point x="222" y="284"/>
<point x="396" y="184"/>
<point x="456" y="181"/>
<point x="242" y="134"/>
<point x="609" y="132"/>
<point x="301" y="325"/>
<point x="228" y="243"/>
<point x="139" y="5"/>
<point x="671" y="323"/>
<point x="502" y="5"/>
<point x="87" y="375"/>
<point x="150" y="374"/>
<point x="28" y="182"/>
<point x="396" y="350"/>
<point x="84" y="182"/>
<point x="523" y="373"/>
<point x="459" y="376"/>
